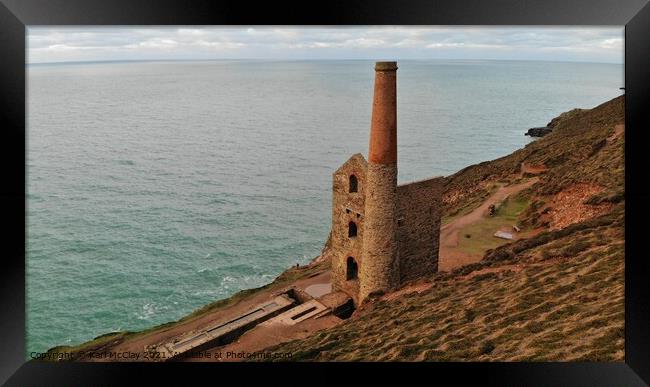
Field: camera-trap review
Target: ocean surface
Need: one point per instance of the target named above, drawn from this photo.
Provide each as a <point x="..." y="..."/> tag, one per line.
<point x="154" y="188"/>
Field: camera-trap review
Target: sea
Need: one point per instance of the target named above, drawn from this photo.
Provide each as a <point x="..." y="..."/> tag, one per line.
<point x="154" y="188"/>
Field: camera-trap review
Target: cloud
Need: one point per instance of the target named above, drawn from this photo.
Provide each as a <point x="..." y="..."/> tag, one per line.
<point x="528" y="43"/>
<point x="154" y="43"/>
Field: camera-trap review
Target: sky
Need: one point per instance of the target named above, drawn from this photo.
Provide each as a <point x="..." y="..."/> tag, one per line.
<point x="69" y="44"/>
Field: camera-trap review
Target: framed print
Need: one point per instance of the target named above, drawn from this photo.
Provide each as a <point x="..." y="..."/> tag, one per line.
<point x="362" y="189"/>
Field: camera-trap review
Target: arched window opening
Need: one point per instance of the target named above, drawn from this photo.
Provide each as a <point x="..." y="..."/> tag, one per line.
<point x="354" y="184"/>
<point x="352" y="230"/>
<point x="352" y="269"/>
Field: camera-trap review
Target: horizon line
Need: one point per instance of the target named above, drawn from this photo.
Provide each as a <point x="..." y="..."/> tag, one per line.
<point x="305" y="59"/>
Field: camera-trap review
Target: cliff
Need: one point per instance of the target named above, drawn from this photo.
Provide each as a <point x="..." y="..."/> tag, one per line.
<point x="554" y="294"/>
<point x="557" y="295"/>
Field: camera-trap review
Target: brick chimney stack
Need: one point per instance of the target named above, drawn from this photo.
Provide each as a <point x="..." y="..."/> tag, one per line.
<point x="379" y="271"/>
<point x="383" y="129"/>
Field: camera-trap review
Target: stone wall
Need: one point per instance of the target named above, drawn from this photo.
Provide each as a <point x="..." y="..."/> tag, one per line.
<point x="418" y="230"/>
<point x="379" y="270"/>
<point x="416" y="225"/>
<point x="347" y="207"/>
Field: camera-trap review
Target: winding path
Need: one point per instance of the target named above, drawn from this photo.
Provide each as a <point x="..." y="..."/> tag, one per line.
<point x="449" y="255"/>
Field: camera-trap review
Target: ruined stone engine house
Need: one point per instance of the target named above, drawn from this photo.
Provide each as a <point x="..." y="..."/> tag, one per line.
<point x="382" y="234"/>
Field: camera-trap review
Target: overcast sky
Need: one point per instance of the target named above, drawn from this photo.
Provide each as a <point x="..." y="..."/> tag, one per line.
<point x="589" y="44"/>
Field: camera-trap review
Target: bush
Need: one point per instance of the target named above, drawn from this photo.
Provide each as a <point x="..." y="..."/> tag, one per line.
<point x="548" y="254"/>
<point x="498" y="254"/>
<point x="603" y="197"/>
<point x="575" y="248"/>
<point x="470" y="315"/>
<point x="486" y="347"/>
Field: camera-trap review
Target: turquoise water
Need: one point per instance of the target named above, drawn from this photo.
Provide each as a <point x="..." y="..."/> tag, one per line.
<point x="157" y="187"/>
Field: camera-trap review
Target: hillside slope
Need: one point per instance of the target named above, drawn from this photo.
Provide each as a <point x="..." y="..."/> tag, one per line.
<point x="556" y="295"/>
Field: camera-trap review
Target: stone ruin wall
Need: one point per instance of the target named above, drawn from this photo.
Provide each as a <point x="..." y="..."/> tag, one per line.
<point x="347" y="207"/>
<point x="418" y="232"/>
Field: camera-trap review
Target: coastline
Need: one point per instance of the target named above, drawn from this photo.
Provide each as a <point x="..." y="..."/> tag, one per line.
<point x="319" y="264"/>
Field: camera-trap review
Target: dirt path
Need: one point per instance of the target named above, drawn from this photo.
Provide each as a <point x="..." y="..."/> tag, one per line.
<point x="618" y="132"/>
<point x="533" y="169"/>
<point x="450" y="257"/>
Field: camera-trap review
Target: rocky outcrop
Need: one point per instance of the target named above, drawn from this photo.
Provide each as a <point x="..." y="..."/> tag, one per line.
<point x="544" y="130"/>
<point x="565" y="116"/>
<point x="538" y="132"/>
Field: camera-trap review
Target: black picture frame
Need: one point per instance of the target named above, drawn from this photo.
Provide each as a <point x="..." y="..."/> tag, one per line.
<point x="15" y="15"/>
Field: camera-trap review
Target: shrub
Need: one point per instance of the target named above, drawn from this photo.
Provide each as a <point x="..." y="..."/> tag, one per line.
<point x="548" y="254"/>
<point x="499" y="254"/>
<point x="486" y="347"/>
<point x="470" y="315"/>
<point x="575" y="248"/>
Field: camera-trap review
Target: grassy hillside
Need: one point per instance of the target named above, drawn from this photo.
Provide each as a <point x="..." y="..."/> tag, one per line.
<point x="555" y="296"/>
<point x="574" y="152"/>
